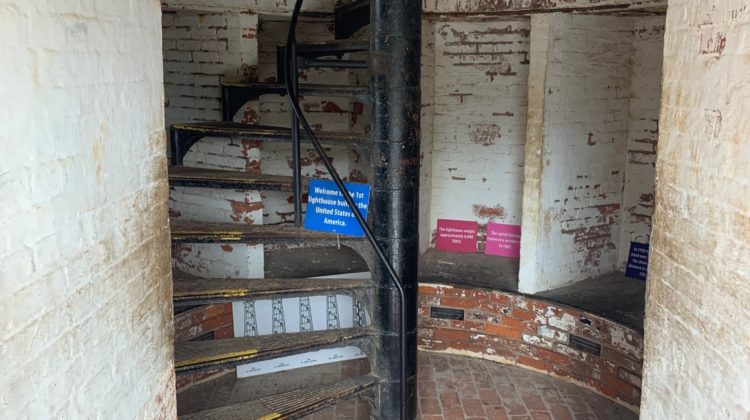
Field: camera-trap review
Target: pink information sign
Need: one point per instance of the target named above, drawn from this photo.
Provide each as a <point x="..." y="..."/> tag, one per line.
<point x="503" y="240"/>
<point x="456" y="236"/>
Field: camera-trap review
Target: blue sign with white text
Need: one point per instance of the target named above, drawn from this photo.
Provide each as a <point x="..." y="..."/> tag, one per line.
<point x="327" y="210"/>
<point x="637" y="267"/>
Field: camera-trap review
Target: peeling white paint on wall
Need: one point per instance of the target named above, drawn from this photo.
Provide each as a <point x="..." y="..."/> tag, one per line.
<point x="697" y="364"/>
<point x="643" y="132"/>
<point x="480" y="88"/>
<point x="85" y="283"/>
<point x="598" y="74"/>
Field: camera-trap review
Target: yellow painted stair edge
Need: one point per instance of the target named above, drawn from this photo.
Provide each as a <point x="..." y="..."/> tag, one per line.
<point x="250" y="353"/>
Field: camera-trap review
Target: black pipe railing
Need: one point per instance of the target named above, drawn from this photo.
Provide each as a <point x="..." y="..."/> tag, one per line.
<point x="290" y="79"/>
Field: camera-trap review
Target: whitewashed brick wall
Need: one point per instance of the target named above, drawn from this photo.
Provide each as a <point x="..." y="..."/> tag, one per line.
<point x="85" y="286"/>
<point x="200" y="50"/>
<point x="580" y="154"/>
<point x="480" y="87"/>
<point x="697" y="364"/>
<point x="509" y="6"/>
<point x="643" y="133"/>
<point x="426" y="133"/>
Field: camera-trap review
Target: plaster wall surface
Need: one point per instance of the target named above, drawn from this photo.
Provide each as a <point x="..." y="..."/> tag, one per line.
<point x="576" y="148"/>
<point x="480" y="89"/>
<point x="85" y="285"/>
<point x="697" y="365"/>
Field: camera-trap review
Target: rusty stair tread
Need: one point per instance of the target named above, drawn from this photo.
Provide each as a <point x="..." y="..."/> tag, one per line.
<point x="332" y="47"/>
<point x="192" y="291"/>
<point x="262" y="132"/>
<point x="195" y="232"/>
<point x="215" y="178"/>
<point x="306" y="89"/>
<point x="196" y="355"/>
<point x="289" y="405"/>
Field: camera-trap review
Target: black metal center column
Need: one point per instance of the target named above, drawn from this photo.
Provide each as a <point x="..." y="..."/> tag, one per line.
<point x="395" y="54"/>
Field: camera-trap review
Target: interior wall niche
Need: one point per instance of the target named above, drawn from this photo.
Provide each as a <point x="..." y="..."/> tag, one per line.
<point x="591" y="142"/>
<point x="476" y="72"/>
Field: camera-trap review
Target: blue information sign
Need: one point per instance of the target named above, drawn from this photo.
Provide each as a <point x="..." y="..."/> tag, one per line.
<point x="328" y="212"/>
<point x="637" y="267"/>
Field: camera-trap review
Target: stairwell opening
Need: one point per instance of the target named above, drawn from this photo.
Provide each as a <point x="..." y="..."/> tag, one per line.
<point x="202" y="49"/>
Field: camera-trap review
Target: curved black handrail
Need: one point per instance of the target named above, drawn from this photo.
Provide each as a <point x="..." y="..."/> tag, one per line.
<point x="290" y="78"/>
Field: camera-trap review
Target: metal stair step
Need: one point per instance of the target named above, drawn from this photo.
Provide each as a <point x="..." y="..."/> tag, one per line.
<point x="199" y="355"/>
<point x="215" y="178"/>
<point x="309" y="55"/>
<point x="330" y="48"/>
<point x="194" y="291"/>
<point x="236" y="94"/>
<point x="291" y="404"/>
<point x="194" y="232"/>
<point x="253" y="90"/>
<point x="262" y="132"/>
<point x="184" y="136"/>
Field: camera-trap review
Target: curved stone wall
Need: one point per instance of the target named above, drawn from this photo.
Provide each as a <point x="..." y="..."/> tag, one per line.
<point x="544" y="336"/>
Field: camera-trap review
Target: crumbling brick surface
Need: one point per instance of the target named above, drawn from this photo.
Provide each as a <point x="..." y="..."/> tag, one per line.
<point x="535" y="334"/>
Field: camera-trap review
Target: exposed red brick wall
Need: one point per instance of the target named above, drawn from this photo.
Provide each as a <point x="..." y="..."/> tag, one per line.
<point x="533" y="333"/>
<point x="197" y="322"/>
<point x="200" y="322"/>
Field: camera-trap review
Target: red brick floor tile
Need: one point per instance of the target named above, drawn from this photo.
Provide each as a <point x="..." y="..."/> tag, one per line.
<point x="489" y="396"/>
<point x="560" y="412"/>
<point x="472" y="407"/>
<point x="506" y="391"/>
<point x="454" y="413"/>
<point x="429" y="406"/>
<point x="427" y="389"/>
<point x="533" y="402"/>
<point x="467" y="389"/>
<point x="540" y="415"/>
<point x="449" y="399"/>
<point x="495" y="413"/>
<point x="514" y="407"/>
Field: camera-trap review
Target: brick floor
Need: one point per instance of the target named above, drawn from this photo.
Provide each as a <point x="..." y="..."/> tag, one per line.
<point x="455" y="387"/>
<point x="450" y="388"/>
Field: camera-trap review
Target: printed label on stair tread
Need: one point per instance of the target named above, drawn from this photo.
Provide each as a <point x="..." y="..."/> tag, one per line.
<point x="503" y="240"/>
<point x="327" y="210"/>
<point x="456" y="236"/>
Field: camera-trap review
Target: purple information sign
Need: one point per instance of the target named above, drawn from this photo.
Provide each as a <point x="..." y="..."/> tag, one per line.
<point x="456" y="236"/>
<point x="503" y="240"/>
